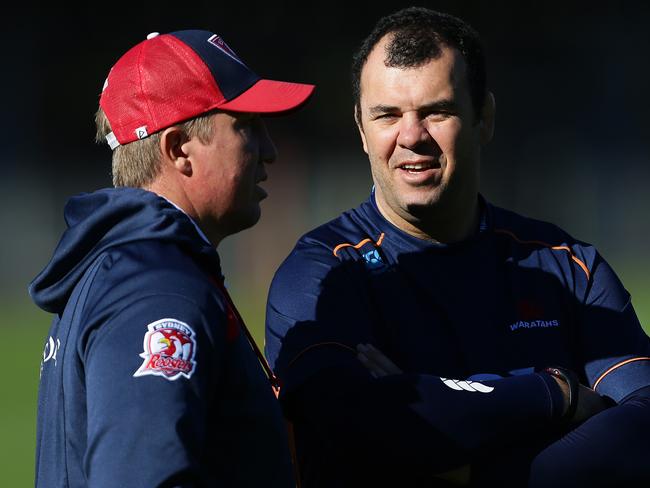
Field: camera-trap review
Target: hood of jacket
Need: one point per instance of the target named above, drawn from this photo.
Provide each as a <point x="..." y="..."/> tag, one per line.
<point x="107" y="218"/>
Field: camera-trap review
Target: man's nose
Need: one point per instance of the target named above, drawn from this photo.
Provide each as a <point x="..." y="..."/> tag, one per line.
<point x="412" y="131"/>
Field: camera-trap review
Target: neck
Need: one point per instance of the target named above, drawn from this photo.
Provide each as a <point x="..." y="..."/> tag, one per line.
<point x="180" y="199"/>
<point x="437" y="225"/>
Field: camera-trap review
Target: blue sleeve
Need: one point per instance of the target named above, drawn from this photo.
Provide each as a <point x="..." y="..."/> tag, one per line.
<point x="615" y="349"/>
<point x="611" y="448"/>
<point x="416" y="424"/>
<point x="147" y="415"/>
<point x="317" y="314"/>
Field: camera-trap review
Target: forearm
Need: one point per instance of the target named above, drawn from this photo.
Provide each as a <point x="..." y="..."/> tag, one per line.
<point x="485" y="414"/>
<point x="417" y="420"/>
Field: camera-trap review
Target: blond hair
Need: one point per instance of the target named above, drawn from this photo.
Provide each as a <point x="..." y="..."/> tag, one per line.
<point x="137" y="163"/>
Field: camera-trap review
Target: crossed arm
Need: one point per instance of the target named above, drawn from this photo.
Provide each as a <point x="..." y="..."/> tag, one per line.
<point x="415" y="427"/>
<point x="362" y="413"/>
<point x="589" y="403"/>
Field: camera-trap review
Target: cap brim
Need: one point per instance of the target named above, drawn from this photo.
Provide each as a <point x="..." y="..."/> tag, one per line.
<point x="269" y="97"/>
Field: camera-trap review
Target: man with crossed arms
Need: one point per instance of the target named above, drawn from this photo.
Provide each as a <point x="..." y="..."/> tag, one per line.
<point x="515" y="354"/>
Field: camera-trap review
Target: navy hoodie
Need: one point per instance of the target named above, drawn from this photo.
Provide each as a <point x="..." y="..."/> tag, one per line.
<point x="147" y="379"/>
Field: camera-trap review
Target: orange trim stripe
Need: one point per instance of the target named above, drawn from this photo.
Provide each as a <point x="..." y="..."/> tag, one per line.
<point x="360" y="244"/>
<point x="345" y="346"/>
<point x="616" y="366"/>
<point x="555" y="248"/>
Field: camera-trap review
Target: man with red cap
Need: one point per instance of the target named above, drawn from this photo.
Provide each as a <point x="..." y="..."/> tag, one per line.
<point x="149" y="377"/>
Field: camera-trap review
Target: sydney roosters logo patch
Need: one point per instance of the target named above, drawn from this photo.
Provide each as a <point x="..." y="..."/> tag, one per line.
<point x="169" y="349"/>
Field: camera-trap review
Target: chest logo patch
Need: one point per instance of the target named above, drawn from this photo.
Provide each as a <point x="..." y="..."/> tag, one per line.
<point x="169" y="350"/>
<point x="529" y="314"/>
<point x="534" y="324"/>
<point x="373" y="259"/>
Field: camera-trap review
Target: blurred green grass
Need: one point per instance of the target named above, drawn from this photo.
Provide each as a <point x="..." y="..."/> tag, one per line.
<point x="24" y="329"/>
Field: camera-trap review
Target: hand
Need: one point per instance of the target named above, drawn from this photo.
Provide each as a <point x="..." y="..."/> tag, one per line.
<point x="375" y="361"/>
<point x="589" y="402"/>
<point x="379" y="365"/>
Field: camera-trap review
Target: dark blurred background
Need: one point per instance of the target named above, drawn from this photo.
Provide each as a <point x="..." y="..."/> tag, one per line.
<point x="570" y="78"/>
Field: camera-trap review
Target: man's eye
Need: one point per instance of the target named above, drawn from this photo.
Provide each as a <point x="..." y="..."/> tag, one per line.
<point x="385" y="116"/>
<point x="439" y="115"/>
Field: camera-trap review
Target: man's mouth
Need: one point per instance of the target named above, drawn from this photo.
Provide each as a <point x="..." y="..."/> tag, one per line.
<point x="419" y="167"/>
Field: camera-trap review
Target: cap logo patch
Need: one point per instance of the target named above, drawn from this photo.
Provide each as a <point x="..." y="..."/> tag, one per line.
<point x="169" y="349"/>
<point x="141" y="132"/>
<point x="218" y="42"/>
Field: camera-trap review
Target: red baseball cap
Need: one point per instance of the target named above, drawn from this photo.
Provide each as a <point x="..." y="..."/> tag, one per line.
<point x="174" y="77"/>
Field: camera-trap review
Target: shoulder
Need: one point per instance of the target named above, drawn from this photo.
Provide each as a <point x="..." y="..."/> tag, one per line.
<point x="524" y="228"/>
<point x="154" y="272"/>
<point x="348" y="229"/>
<point x="161" y="265"/>
<point x="330" y="245"/>
<point x="542" y="236"/>
<point x="342" y="238"/>
<point x="139" y="286"/>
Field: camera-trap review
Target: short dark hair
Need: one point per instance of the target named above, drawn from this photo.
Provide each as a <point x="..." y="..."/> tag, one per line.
<point x="418" y="34"/>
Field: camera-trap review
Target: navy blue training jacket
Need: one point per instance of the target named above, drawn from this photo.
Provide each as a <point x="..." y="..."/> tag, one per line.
<point x="146" y="379"/>
<point x="471" y="324"/>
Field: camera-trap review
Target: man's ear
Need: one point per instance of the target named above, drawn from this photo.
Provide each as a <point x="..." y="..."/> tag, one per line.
<point x="173" y="149"/>
<point x="357" y="119"/>
<point x="487" y="118"/>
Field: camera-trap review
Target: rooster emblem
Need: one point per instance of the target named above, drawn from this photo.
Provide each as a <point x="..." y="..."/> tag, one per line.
<point x="169" y="348"/>
<point x="167" y="342"/>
